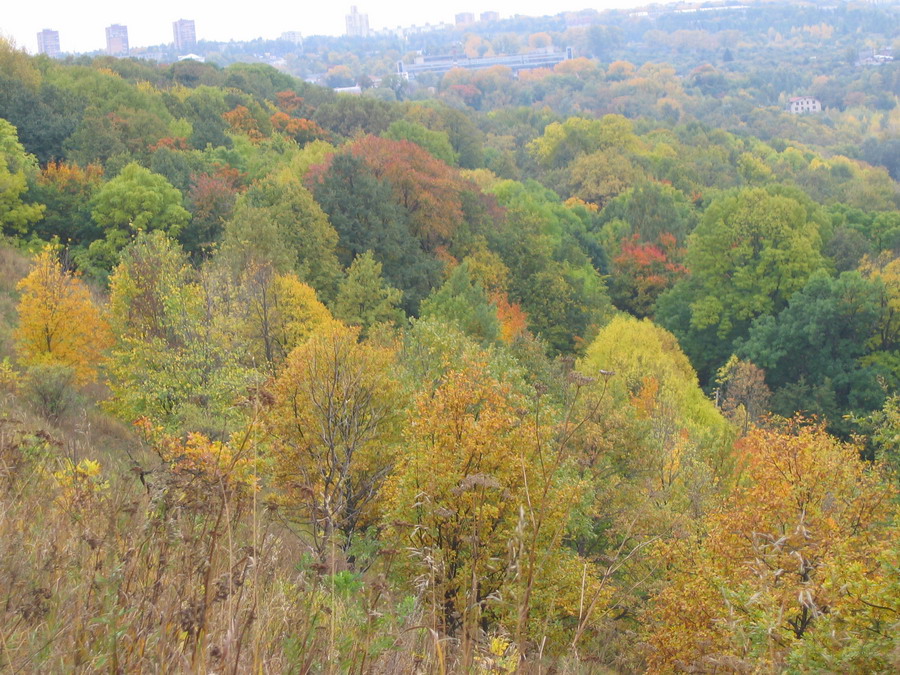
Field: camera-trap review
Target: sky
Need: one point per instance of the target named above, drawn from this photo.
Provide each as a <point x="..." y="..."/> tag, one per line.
<point x="81" y="24"/>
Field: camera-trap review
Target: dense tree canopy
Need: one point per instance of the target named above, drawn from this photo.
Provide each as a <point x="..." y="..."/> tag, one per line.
<point x="137" y="200"/>
<point x="749" y="254"/>
<point x="15" y="166"/>
<point x="587" y="367"/>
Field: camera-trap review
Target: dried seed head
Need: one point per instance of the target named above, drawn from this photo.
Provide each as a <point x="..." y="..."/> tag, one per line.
<point x="579" y="379"/>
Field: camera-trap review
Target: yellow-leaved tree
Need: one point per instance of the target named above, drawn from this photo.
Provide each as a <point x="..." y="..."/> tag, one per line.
<point x="657" y="454"/>
<point x="277" y="313"/>
<point x="334" y="423"/>
<point x="59" y="323"/>
<point x="684" y="439"/>
<point x="481" y="501"/>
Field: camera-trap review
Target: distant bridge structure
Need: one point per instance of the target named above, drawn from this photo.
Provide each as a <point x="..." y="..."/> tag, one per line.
<point x="515" y="62"/>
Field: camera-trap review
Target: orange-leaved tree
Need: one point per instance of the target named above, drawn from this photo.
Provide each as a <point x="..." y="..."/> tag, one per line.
<point x="241" y="121"/>
<point x="430" y="190"/>
<point x="59" y="323"/>
<point x="791" y="545"/>
<point x="644" y="270"/>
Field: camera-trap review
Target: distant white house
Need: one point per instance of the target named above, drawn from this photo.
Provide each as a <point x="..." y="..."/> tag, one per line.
<point x="800" y="105"/>
<point x="876" y="60"/>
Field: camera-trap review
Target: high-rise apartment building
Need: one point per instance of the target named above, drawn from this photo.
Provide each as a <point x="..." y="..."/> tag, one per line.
<point x="48" y="43"/>
<point x="465" y="18"/>
<point x="357" y="24"/>
<point x="293" y="36"/>
<point x="117" y="40"/>
<point x="185" y="34"/>
<point x="489" y="16"/>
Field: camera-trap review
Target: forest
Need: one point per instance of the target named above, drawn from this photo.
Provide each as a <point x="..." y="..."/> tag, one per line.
<point x="591" y="370"/>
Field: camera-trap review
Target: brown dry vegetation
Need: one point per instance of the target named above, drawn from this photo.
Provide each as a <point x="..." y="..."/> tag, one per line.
<point x="135" y="567"/>
<point x="116" y="556"/>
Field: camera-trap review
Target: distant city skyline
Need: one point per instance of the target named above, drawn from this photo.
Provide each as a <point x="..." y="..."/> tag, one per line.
<point x="81" y="26"/>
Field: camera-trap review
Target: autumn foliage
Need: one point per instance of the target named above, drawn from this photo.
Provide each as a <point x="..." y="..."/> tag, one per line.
<point x="242" y="121"/>
<point x="644" y="270"/>
<point x="71" y="178"/>
<point x="58" y="320"/>
<point x="513" y="320"/>
<point x="780" y="554"/>
<point x="301" y="130"/>
<point x="601" y="378"/>
<point x="427" y="188"/>
<point x="334" y="421"/>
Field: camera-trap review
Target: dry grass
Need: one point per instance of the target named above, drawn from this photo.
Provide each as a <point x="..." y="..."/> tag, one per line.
<point x="152" y="570"/>
<point x="114" y="558"/>
<point x="112" y="561"/>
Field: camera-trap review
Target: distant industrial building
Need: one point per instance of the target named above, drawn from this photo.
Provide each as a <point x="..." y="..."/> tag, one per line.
<point x="357" y="24"/>
<point x="515" y="62"/>
<point x="48" y="43"/>
<point x="800" y="105"/>
<point x="185" y="34"/>
<point x="489" y="16"/>
<point x="465" y="18"/>
<point x="117" y="40"/>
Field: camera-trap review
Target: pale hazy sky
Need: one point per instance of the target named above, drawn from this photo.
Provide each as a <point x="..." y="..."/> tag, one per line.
<point x="81" y="23"/>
